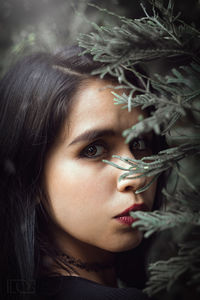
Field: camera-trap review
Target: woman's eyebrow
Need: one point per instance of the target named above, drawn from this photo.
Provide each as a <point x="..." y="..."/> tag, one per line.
<point x="92" y="134"/>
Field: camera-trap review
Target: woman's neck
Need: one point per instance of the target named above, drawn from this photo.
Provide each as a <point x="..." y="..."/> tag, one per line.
<point x="88" y="261"/>
<point x="105" y="275"/>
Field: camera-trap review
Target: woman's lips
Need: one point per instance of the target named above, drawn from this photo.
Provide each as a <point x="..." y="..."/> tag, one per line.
<point x="125" y="218"/>
<point x="128" y="220"/>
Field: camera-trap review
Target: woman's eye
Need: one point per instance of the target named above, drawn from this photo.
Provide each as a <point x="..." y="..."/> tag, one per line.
<point x="93" y="151"/>
<point x="139" y="144"/>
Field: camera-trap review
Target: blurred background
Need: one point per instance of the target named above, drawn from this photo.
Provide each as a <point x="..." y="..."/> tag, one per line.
<point x="31" y="25"/>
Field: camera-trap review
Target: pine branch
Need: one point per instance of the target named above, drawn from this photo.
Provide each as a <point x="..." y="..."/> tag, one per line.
<point x="159" y="34"/>
<point x="164" y="160"/>
<point x="157" y="221"/>
<point x="141" y="40"/>
<point x="174" y="93"/>
<point x="180" y="212"/>
<point x="184" y="199"/>
<point x="163" y="274"/>
<point x="184" y="216"/>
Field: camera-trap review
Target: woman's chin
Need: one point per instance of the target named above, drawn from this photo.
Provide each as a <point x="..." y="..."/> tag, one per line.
<point x="127" y="242"/>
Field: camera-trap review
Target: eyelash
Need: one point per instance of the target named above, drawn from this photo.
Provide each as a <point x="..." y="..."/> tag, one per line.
<point x="106" y="148"/>
<point x="95" y="144"/>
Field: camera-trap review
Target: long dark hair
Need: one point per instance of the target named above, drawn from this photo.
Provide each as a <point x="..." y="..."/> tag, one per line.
<point x="35" y="99"/>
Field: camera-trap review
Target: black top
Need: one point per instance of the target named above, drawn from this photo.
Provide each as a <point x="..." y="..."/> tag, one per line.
<point x="77" y="288"/>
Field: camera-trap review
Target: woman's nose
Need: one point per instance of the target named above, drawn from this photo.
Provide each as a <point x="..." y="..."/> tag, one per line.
<point x="133" y="184"/>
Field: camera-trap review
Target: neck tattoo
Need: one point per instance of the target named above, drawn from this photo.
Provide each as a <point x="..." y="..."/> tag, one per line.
<point x="90" y="267"/>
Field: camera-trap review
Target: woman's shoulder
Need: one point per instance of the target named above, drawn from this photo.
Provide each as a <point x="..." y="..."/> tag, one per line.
<point x="72" y="287"/>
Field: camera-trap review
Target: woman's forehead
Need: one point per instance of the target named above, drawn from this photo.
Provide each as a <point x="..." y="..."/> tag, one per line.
<point x="93" y="107"/>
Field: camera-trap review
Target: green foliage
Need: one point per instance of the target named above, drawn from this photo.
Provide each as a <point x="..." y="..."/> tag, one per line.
<point x="160" y="39"/>
<point x="164" y="273"/>
<point x="140" y="40"/>
<point x="158" y="163"/>
<point x="182" y="212"/>
<point x="27" y="41"/>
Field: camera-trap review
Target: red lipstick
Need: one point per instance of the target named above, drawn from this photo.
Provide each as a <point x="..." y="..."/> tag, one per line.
<point x="125" y="218"/>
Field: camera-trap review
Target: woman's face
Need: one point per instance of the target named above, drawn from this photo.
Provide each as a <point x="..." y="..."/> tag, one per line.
<point x="85" y="194"/>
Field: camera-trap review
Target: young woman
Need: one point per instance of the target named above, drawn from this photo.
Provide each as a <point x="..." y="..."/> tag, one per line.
<point x="64" y="213"/>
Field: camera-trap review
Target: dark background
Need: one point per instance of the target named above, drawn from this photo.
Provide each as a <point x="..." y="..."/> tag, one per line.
<point x="30" y="25"/>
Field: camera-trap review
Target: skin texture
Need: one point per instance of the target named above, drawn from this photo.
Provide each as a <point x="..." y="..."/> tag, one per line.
<point x="84" y="193"/>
